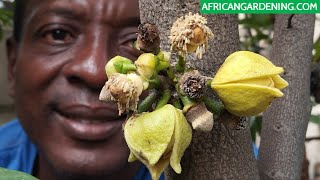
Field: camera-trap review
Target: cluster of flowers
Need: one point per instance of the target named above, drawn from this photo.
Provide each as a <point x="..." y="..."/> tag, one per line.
<point x="157" y="130"/>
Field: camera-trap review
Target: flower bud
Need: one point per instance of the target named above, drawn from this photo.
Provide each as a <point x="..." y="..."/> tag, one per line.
<point x="146" y="64"/>
<point x="158" y="138"/>
<point x="163" y="58"/>
<point x="247" y="83"/>
<point x="119" y="64"/>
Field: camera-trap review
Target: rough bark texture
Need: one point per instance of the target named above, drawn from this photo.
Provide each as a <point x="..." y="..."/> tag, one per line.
<point x="224" y="153"/>
<point x="284" y="124"/>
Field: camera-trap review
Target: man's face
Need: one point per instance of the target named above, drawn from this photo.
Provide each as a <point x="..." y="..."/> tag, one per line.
<point x="57" y="72"/>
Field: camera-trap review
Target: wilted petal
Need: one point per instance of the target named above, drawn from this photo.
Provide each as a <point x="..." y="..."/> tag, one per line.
<point x="125" y="89"/>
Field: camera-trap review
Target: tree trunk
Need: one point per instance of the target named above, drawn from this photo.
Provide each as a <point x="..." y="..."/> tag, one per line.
<point x="224" y="153"/>
<point x="284" y="123"/>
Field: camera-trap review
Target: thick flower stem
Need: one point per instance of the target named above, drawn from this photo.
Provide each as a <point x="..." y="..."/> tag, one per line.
<point x="162" y="63"/>
<point x="176" y="103"/>
<point x="208" y="83"/>
<point x="181" y="65"/>
<point x="146" y="104"/>
<point x="154" y="83"/>
<point x="170" y="73"/>
<point x="213" y="105"/>
<point x="164" y="99"/>
<point x="187" y="103"/>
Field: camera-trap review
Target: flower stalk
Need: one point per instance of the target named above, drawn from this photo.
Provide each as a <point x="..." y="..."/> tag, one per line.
<point x="214" y="106"/>
<point x="187" y="103"/>
<point x="164" y="99"/>
<point x="146" y="103"/>
<point x="181" y="64"/>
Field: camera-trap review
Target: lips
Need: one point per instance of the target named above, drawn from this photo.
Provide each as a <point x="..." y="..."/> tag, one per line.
<point x="89" y="122"/>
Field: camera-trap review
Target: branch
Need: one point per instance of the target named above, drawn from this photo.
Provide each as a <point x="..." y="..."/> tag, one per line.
<point x="312" y="138"/>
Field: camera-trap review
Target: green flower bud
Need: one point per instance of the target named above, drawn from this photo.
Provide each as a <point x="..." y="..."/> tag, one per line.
<point x="163" y="58"/>
<point x="119" y="64"/>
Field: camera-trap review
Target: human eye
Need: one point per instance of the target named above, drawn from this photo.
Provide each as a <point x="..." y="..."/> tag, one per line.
<point x="57" y="35"/>
<point x="128" y="40"/>
<point x="127" y="46"/>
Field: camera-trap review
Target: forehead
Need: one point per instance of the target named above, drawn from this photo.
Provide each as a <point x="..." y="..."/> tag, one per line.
<point x="106" y="11"/>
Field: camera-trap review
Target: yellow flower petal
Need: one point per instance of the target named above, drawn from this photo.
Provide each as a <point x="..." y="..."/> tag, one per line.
<point x="149" y="134"/>
<point x="279" y="82"/>
<point x="246" y="99"/>
<point x="146" y="64"/>
<point x="182" y="139"/>
<point x="158" y="139"/>
<point x="158" y="168"/>
<point x="243" y="65"/>
<point x="132" y="157"/>
<point x="263" y="81"/>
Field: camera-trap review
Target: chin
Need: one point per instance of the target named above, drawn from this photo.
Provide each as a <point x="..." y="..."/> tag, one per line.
<point x="87" y="163"/>
<point x="76" y="158"/>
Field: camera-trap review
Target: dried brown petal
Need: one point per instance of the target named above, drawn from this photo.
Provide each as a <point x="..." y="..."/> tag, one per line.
<point x="123" y="89"/>
<point x="193" y="84"/>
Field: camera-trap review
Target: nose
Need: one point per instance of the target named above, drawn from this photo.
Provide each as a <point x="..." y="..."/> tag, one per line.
<point x="90" y="57"/>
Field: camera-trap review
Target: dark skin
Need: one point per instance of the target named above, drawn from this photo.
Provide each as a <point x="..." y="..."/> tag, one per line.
<point x="56" y="72"/>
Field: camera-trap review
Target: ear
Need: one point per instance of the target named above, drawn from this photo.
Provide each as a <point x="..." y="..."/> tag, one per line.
<point x="12" y="58"/>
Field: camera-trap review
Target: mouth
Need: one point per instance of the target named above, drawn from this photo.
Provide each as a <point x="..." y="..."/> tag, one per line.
<point x="89" y="123"/>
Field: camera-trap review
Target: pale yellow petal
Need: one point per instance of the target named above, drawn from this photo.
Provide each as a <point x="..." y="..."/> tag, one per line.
<point x="146" y="64"/>
<point x="149" y="134"/>
<point x="246" y="99"/>
<point x="158" y="168"/>
<point x="243" y="65"/>
<point x="132" y="157"/>
<point x="263" y="81"/>
<point x="182" y="136"/>
<point x="279" y="82"/>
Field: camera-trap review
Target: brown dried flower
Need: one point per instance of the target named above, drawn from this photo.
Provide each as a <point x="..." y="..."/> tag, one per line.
<point x="123" y="88"/>
<point x="148" y="38"/>
<point x="193" y="84"/>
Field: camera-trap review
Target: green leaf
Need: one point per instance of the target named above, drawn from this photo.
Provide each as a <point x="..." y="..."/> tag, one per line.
<point x="315" y="119"/>
<point x="316" y="47"/>
<point x="7" y="174"/>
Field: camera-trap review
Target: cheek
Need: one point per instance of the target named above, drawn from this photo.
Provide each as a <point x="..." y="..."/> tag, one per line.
<point x="32" y="79"/>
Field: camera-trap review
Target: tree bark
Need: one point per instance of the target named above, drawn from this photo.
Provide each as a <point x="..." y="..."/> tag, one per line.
<point x="284" y="123"/>
<point x="224" y="153"/>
